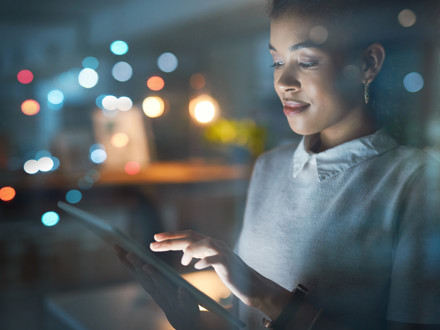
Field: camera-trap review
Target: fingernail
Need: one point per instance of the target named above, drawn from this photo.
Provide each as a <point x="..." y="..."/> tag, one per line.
<point x="158" y="236"/>
<point x="155" y="245"/>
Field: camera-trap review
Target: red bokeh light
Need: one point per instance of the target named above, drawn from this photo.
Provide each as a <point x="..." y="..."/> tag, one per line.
<point x="132" y="168"/>
<point x="25" y="76"/>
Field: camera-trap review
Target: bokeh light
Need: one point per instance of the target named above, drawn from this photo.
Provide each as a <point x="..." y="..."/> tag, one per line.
<point x="124" y="103"/>
<point x="413" y="82"/>
<point x="132" y="168"/>
<point x="97" y="153"/>
<point x="197" y="81"/>
<point x="25" y="77"/>
<point x="110" y="102"/>
<point x="90" y="62"/>
<point x="93" y="174"/>
<point x="203" y="109"/>
<point x="31" y="166"/>
<point x="119" y="47"/>
<point x="88" y="78"/>
<point x="318" y="34"/>
<point x="85" y="182"/>
<point x="55" y="97"/>
<point x="99" y="100"/>
<point x="407" y="18"/>
<point x="73" y="196"/>
<point x="155" y="83"/>
<point x="30" y="107"/>
<point x="7" y="194"/>
<point x="50" y="218"/>
<point x="45" y="164"/>
<point x="122" y="71"/>
<point x="119" y="140"/>
<point x="153" y="106"/>
<point x="167" y="62"/>
<point x="56" y="163"/>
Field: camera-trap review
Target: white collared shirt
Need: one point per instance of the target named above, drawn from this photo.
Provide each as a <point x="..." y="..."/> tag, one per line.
<point x="340" y="158"/>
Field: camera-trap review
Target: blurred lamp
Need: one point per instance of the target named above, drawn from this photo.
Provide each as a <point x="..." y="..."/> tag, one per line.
<point x="203" y="109"/>
<point x="153" y="106"/>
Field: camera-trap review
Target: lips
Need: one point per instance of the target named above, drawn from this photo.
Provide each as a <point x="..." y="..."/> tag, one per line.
<point x="293" y="107"/>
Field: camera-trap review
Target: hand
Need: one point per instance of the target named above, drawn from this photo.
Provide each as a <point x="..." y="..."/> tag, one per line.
<point x="249" y="286"/>
<point x="178" y="305"/>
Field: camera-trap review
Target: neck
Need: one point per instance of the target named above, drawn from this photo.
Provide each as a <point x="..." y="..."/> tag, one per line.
<point x="356" y="125"/>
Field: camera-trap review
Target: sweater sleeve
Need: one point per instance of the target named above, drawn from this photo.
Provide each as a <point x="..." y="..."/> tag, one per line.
<point x="415" y="279"/>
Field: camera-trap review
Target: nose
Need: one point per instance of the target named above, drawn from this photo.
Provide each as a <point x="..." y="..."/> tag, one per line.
<point x="287" y="80"/>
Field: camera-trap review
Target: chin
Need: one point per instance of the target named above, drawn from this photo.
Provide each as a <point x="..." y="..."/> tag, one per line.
<point x="302" y="130"/>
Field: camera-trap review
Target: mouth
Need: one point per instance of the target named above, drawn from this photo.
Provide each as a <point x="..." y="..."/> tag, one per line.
<point x="293" y="107"/>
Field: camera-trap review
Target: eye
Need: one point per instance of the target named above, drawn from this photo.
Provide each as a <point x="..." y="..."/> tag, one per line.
<point x="277" y="65"/>
<point x="308" y="65"/>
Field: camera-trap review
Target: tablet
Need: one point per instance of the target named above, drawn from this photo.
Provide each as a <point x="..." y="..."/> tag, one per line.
<point x="113" y="236"/>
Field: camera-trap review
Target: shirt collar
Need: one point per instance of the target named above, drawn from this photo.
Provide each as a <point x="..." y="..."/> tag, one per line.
<point x="342" y="157"/>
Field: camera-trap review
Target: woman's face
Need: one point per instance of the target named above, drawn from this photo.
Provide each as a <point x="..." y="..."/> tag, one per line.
<point x="317" y="96"/>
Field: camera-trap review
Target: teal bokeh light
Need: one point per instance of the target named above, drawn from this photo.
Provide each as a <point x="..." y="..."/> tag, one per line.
<point x="119" y="47"/>
<point x="50" y="218"/>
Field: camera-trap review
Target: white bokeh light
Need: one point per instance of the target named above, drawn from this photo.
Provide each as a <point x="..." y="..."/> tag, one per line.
<point x="124" y="103"/>
<point x="31" y="166"/>
<point x="110" y="102"/>
<point x="45" y="164"/>
<point x="88" y="78"/>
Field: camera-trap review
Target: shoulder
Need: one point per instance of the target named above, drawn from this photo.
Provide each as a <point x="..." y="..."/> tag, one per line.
<point x="409" y="160"/>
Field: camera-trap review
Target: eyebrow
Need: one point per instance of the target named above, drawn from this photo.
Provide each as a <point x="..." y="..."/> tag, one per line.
<point x="300" y="45"/>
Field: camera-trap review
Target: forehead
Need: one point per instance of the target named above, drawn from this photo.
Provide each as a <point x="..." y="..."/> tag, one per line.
<point x="292" y="27"/>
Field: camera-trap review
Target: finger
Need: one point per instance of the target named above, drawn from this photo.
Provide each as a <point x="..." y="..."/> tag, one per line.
<point x="209" y="261"/>
<point x="177" y="244"/>
<point x="200" y="249"/>
<point x="177" y="234"/>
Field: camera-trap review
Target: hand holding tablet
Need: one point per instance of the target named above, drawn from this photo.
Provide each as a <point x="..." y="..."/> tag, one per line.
<point x="115" y="237"/>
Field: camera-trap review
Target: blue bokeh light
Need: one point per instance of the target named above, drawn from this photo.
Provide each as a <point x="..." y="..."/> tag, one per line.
<point x="98" y="156"/>
<point x="99" y="99"/>
<point x="119" y="47"/>
<point x="167" y="62"/>
<point x="413" y="82"/>
<point x="50" y="218"/>
<point x="55" y="96"/>
<point x="73" y="196"/>
<point x="90" y="62"/>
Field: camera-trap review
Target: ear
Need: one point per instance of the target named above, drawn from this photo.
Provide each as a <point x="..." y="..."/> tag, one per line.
<point x="373" y="58"/>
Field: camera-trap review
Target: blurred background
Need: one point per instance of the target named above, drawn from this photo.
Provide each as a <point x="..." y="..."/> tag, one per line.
<point x="149" y="114"/>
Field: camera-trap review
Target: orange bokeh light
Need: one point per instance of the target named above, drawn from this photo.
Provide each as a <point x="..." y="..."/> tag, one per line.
<point x="7" y="194"/>
<point x="197" y="81"/>
<point x="30" y="107"/>
<point x="155" y="83"/>
<point x="132" y="168"/>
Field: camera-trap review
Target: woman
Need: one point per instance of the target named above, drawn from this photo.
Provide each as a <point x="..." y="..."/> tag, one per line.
<point x="348" y="213"/>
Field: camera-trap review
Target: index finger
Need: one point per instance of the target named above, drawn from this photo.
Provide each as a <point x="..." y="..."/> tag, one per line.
<point x="175" y="244"/>
<point x="177" y="234"/>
